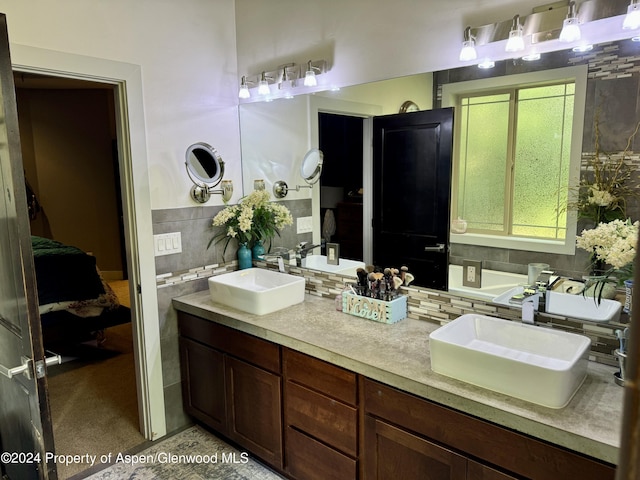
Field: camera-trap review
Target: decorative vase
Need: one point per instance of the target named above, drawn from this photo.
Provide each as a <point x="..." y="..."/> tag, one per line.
<point x="244" y="257"/>
<point x="599" y="287"/>
<point x="257" y="250"/>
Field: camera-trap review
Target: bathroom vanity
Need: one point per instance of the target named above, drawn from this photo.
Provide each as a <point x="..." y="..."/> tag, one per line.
<point x="318" y="394"/>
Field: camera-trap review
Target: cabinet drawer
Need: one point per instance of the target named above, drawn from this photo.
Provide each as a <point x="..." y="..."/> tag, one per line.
<point x="322" y="417"/>
<point x="328" y="379"/>
<point x="251" y="349"/>
<point x="491" y="443"/>
<point x="308" y="459"/>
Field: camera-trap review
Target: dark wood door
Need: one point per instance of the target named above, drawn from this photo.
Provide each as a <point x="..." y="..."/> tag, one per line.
<point x="411" y="193"/>
<point x="254" y="415"/>
<point x="392" y="453"/>
<point x="25" y="418"/>
<point x="203" y="385"/>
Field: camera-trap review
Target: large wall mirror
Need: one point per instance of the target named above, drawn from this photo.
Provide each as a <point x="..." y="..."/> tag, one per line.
<point x="275" y="135"/>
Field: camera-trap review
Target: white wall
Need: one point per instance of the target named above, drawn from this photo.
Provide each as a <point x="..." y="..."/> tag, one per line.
<point x="364" y="40"/>
<point x="186" y="51"/>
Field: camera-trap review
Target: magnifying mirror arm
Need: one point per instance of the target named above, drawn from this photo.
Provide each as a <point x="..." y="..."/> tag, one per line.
<point x="280" y="188"/>
<point x="201" y="192"/>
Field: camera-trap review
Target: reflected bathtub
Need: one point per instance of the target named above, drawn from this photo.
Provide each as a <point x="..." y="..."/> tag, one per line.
<point x="494" y="283"/>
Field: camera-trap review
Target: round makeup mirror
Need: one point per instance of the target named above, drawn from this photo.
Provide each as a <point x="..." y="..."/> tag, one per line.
<point x="311" y="167"/>
<point x="310" y="171"/>
<point x="205" y="168"/>
<point x="204" y="164"/>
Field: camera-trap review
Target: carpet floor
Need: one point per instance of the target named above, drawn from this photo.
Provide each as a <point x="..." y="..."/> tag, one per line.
<point x="93" y="399"/>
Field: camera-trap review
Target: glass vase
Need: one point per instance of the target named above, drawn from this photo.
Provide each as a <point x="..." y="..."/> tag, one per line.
<point x="257" y="250"/>
<point x="244" y="257"/>
<point x="599" y="287"/>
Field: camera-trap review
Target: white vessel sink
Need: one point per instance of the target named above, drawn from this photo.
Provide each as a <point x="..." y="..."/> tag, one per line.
<point x="319" y="262"/>
<point x="574" y="306"/>
<point x="536" y="364"/>
<point x="257" y="290"/>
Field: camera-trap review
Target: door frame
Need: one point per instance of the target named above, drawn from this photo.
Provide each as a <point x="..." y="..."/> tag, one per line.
<point x="134" y="179"/>
<point x="321" y="104"/>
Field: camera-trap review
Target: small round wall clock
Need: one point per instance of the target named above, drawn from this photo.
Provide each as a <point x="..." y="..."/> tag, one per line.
<point x="408" y="106"/>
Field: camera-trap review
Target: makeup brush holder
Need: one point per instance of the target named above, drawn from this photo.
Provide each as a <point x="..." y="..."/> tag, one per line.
<point x="373" y="309"/>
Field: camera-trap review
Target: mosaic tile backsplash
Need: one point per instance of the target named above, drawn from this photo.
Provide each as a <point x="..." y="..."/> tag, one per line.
<point x="428" y="305"/>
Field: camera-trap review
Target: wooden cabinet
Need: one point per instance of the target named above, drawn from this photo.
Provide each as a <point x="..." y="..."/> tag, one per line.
<point x="203" y="385"/>
<point x="253" y="409"/>
<point x="497" y="452"/>
<point x="394" y="453"/>
<point x="231" y="382"/>
<point x="477" y="471"/>
<point x="321" y="419"/>
<point x="313" y="420"/>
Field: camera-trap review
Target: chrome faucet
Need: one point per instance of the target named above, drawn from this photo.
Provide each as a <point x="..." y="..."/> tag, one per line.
<point x="529" y="308"/>
<point x="301" y="251"/>
<point x="282" y="255"/>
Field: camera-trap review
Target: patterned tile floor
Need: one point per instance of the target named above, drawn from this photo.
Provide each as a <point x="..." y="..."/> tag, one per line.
<point x="193" y="454"/>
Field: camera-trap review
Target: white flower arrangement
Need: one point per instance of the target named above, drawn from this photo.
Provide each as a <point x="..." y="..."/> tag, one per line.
<point x="254" y="218"/>
<point x="614" y="243"/>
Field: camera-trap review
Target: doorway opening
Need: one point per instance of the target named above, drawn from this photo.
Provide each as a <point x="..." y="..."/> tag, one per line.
<point x="69" y="147"/>
<point x="341" y="184"/>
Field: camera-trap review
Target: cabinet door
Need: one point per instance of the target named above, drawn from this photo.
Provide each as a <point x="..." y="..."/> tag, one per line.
<point x="203" y="386"/>
<point x="254" y="409"/>
<point x="477" y="471"/>
<point x="392" y="453"/>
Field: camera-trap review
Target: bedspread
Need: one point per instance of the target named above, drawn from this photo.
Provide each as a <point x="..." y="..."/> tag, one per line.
<point x="69" y="279"/>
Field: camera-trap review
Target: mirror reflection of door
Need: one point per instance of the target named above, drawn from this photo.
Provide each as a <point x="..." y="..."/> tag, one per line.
<point x="411" y="193"/>
<point x="341" y="182"/>
<point x="25" y="418"/>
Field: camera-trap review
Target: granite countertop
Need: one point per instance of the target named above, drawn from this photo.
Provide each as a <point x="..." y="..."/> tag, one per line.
<point x="398" y="355"/>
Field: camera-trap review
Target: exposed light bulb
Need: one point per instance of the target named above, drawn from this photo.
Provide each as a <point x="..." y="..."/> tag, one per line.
<point x="516" y="38"/>
<point x="533" y="56"/>
<point x="632" y="19"/>
<point x="244" y="89"/>
<point x="487" y="63"/>
<point x="263" y="85"/>
<point x="570" y="27"/>
<point x="582" y="48"/>
<point x="468" y="51"/>
<point x="310" y="76"/>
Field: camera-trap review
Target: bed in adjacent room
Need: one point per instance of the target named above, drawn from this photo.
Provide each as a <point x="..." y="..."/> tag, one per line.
<point x="74" y="300"/>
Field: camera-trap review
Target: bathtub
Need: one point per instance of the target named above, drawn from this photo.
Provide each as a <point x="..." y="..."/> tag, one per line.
<point x="493" y="284"/>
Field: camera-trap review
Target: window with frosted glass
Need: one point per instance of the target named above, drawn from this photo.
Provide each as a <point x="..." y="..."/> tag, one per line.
<point x="513" y="161"/>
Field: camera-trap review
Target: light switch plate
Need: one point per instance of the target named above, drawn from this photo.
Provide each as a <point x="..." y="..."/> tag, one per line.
<point x="167" y="243"/>
<point x="304" y="225"/>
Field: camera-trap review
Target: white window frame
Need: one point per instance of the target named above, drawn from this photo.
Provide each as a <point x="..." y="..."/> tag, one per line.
<point x="577" y="74"/>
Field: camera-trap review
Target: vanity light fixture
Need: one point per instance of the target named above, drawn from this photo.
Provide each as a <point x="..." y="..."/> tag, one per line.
<point x="515" y="43"/>
<point x="632" y="19"/>
<point x="570" y="28"/>
<point x="583" y="48"/>
<point x="486" y="63"/>
<point x="468" y="51"/>
<point x="244" y="88"/>
<point x="310" y="75"/>
<point x="287" y="77"/>
<point x="531" y="57"/>
<point x="263" y="84"/>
